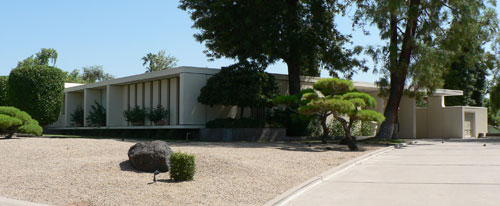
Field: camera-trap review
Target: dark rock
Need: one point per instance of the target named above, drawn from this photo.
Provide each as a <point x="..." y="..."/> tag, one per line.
<point x="150" y="156"/>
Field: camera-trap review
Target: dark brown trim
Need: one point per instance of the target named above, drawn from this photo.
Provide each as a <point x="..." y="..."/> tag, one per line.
<point x="135" y="95"/>
<point x="168" y="102"/>
<point x="128" y="96"/>
<point x="159" y="92"/>
<point x="143" y="95"/>
<point x="151" y="95"/>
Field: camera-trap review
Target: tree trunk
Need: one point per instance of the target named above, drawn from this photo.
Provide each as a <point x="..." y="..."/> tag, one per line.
<point x="293" y="58"/>
<point x="398" y="69"/>
<point x="347" y="130"/>
<point x="293" y="76"/>
<point x="325" y="130"/>
<point x="9" y="135"/>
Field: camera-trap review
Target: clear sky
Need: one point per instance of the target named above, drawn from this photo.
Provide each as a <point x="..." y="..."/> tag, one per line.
<point x="114" y="34"/>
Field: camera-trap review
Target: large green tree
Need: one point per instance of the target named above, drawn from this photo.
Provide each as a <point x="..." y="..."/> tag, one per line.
<point x="413" y="56"/>
<point x="300" y="33"/>
<point x="95" y="73"/>
<point x="243" y="85"/>
<point x="159" y="61"/>
<point x="37" y="88"/>
<point x="468" y="37"/>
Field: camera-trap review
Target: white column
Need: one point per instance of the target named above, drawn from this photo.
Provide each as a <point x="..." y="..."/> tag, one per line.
<point x="173" y="101"/>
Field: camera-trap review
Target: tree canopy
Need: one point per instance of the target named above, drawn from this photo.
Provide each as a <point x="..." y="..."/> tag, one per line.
<point x="416" y="32"/>
<point x="339" y="99"/>
<point x="13" y="120"/>
<point x="37" y="88"/>
<point x="300" y="33"/>
<point x="242" y="85"/>
<point x="159" y="61"/>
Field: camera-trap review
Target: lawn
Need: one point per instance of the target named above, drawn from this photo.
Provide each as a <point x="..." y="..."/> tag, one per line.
<point x="84" y="172"/>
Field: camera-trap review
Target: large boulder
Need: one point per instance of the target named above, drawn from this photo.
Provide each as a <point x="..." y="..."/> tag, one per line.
<point x="150" y="156"/>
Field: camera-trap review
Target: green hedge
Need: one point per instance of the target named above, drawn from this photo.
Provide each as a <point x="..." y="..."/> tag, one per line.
<point x="38" y="90"/>
<point x="182" y="166"/>
<point x="13" y="120"/>
<point x="4" y="101"/>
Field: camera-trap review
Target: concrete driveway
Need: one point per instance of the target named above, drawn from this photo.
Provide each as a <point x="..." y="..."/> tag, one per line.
<point x="428" y="173"/>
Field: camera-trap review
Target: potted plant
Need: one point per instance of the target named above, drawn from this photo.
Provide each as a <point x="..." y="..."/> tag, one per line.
<point x="158" y="115"/>
<point x="97" y="115"/>
<point x="135" y="116"/>
<point x="77" y="116"/>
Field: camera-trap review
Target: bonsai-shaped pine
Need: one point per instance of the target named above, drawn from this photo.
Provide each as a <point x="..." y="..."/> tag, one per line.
<point x="158" y="114"/>
<point x="243" y="85"/>
<point x="135" y="115"/>
<point x="77" y="116"/>
<point x="340" y="100"/>
<point x="13" y="120"/>
<point x="97" y="115"/>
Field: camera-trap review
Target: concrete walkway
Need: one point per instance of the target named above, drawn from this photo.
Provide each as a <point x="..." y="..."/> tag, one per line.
<point x="428" y="173"/>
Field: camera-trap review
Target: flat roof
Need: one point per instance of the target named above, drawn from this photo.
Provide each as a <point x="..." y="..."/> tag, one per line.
<point x="174" y="72"/>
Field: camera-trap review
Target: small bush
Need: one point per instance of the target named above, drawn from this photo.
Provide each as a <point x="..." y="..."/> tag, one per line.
<point x="236" y="123"/>
<point x="136" y="114"/>
<point x="182" y="166"/>
<point x="157" y="114"/>
<point x="97" y="115"/>
<point x="13" y="120"/>
<point x="77" y="116"/>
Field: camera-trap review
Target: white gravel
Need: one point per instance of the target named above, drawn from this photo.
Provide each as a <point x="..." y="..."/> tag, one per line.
<point x="88" y="172"/>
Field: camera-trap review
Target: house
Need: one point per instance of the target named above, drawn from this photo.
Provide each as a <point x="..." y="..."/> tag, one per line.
<point x="177" y="90"/>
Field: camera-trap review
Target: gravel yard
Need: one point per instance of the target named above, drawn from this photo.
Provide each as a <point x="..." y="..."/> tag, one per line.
<point x="87" y="172"/>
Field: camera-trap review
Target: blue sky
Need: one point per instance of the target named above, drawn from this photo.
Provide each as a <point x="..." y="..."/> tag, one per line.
<point x="113" y="33"/>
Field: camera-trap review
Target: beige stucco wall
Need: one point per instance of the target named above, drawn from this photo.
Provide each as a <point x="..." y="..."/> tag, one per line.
<point x="115" y="105"/>
<point x="407" y="118"/>
<point x="73" y="100"/>
<point x="438" y="121"/>
<point x="89" y="98"/>
<point x="481" y="119"/>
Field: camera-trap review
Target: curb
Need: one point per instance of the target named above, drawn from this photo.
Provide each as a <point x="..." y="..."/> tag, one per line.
<point x="304" y="186"/>
<point x="11" y="202"/>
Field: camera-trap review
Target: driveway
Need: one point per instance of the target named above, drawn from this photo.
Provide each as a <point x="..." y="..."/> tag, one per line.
<point x="428" y="173"/>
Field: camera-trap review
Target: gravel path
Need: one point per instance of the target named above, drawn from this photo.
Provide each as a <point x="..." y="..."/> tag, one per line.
<point x="86" y="172"/>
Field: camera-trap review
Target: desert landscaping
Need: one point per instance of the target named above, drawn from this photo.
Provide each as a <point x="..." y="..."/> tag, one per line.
<point x="84" y="172"/>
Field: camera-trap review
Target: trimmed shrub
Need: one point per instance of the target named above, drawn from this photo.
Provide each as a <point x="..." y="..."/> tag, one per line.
<point x="157" y="114"/>
<point x="4" y="101"/>
<point x="37" y="90"/>
<point x="182" y="166"/>
<point x="97" y="115"/>
<point x="136" y="114"/>
<point x="13" y="120"/>
<point x="77" y="116"/>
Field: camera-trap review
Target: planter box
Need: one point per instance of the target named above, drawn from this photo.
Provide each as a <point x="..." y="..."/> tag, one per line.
<point x="243" y="134"/>
<point x="137" y="123"/>
<point x="159" y="123"/>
